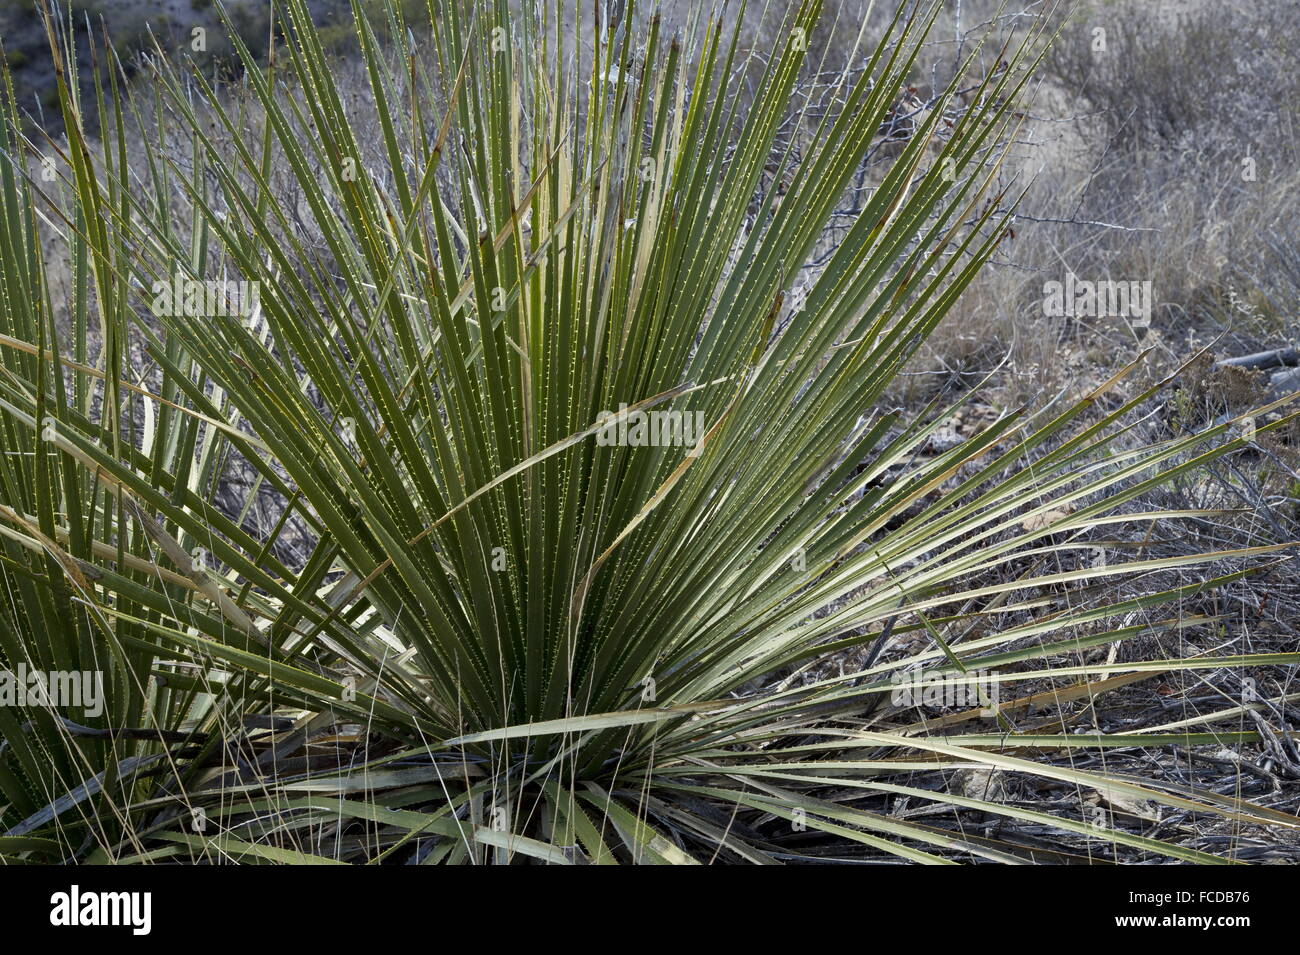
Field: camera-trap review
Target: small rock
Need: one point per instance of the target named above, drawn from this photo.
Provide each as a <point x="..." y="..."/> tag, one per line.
<point x="1283" y="382"/>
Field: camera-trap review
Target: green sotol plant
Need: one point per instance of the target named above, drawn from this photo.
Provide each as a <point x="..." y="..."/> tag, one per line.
<point x="460" y="598"/>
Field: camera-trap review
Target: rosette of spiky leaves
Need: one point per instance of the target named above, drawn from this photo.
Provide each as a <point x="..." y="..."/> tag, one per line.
<point x="458" y="596"/>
